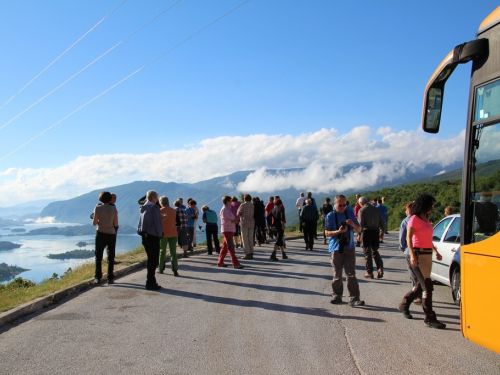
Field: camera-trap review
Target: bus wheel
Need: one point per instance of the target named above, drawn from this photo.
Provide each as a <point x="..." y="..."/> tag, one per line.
<point x="455" y="286"/>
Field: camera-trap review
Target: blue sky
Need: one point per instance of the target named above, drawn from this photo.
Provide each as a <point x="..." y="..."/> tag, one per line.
<point x="274" y="84"/>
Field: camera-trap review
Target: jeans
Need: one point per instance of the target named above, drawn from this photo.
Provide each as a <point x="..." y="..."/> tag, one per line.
<point x="101" y="241"/>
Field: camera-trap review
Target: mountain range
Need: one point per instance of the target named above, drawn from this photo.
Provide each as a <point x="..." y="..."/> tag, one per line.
<point x="207" y="192"/>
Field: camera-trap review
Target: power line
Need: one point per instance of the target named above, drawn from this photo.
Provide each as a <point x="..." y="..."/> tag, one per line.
<point x="61" y="55"/>
<point x="127" y="77"/>
<point x="88" y="65"/>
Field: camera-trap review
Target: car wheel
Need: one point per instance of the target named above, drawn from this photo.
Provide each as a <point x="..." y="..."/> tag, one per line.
<point x="455" y="286"/>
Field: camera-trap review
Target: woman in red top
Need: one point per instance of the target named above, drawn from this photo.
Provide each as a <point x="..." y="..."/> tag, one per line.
<point x="420" y="247"/>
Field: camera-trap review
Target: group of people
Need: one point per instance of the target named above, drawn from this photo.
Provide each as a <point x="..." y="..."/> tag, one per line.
<point x="344" y="227"/>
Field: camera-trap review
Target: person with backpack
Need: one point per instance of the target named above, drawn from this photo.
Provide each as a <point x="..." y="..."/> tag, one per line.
<point x="211" y="229"/>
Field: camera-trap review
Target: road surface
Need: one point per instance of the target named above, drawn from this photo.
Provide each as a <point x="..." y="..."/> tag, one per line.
<point x="269" y="318"/>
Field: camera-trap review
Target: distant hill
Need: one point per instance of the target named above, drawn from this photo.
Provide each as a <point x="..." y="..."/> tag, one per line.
<point x="484" y="169"/>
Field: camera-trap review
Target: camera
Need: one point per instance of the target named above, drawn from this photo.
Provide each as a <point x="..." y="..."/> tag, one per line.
<point x="343" y="238"/>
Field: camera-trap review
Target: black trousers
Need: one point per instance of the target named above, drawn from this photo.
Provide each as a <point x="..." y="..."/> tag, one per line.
<point x="309" y="232"/>
<point x="260" y="230"/>
<point x="212" y="232"/>
<point x="370" y="242"/>
<point x="152" y="246"/>
<point x="103" y="240"/>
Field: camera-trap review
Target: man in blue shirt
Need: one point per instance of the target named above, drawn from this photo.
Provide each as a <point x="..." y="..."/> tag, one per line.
<point x="383" y="211"/>
<point x="192" y="215"/>
<point x="151" y="231"/>
<point x="340" y="227"/>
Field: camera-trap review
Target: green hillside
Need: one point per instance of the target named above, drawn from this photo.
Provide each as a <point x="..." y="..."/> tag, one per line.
<point x="446" y="193"/>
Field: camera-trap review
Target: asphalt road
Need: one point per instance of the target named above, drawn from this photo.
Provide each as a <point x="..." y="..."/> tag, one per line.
<point x="269" y="318"/>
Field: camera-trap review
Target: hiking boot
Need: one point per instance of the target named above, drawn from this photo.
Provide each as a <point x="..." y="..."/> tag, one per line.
<point x="176" y="274"/>
<point x="111" y="281"/>
<point x="153" y="287"/>
<point x="380" y="274"/>
<point x="356" y="303"/>
<point x="284" y="256"/>
<point x="435" y="324"/>
<point x="273" y="258"/>
<point x="336" y="301"/>
<point x="247" y="257"/>
<point x="404" y="309"/>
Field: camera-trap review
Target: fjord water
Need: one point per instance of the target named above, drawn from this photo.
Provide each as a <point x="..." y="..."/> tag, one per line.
<point x="33" y="253"/>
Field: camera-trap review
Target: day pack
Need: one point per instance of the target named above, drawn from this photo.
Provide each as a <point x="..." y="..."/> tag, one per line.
<point x="211" y="217"/>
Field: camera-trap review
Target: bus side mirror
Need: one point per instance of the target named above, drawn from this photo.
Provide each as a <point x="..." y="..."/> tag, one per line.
<point x="434" y="91"/>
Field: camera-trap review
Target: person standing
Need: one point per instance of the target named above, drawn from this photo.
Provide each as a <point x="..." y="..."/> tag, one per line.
<point x="300" y="204"/>
<point x="228" y="227"/>
<point x="278" y="222"/>
<point x="260" y="220"/>
<point x="340" y="227"/>
<point x="325" y="210"/>
<point x="403" y="246"/>
<point x="247" y="224"/>
<point x="384" y="203"/>
<point x="151" y="231"/>
<point x="309" y="216"/>
<point x="420" y="248"/>
<point x="181" y="222"/>
<point x="105" y="219"/>
<point x="269" y="208"/>
<point x="168" y="219"/>
<point x="383" y="212"/>
<point x="211" y="229"/>
<point x="235" y="204"/>
<point x="372" y="224"/>
<point x="192" y="215"/>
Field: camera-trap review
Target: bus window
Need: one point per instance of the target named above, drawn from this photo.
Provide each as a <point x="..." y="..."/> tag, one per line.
<point x="487" y="101"/>
<point x="486" y="199"/>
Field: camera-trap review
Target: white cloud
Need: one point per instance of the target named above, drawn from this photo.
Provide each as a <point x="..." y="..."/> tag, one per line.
<point x="321" y="153"/>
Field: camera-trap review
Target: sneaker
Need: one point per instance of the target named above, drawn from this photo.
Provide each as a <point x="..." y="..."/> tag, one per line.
<point x="369" y="275"/>
<point x="435" y="324"/>
<point x="356" y="303"/>
<point x="247" y="257"/>
<point x="406" y="313"/>
<point x="418" y="301"/>
<point x="336" y="301"/>
<point x="221" y="265"/>
<point x="239" y="266"/>
<point x="176" y="273"/>
<point x="380" y="274"/>
<point x="153" y="287"/>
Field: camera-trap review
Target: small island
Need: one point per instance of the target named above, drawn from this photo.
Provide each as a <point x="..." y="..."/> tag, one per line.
<point x="73" y="254"/>
<point x="18" y="230"/>
<point x="82" y="244"/>
<point x="6" y="245"/>
<point x="9" y="272"/>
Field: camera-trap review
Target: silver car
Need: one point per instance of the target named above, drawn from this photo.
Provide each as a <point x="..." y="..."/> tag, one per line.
<point x="446" y="239"/>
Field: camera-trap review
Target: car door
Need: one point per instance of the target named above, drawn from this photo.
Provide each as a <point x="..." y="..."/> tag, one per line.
<point x="438" y="268"/>
<point x="449" y="246"/>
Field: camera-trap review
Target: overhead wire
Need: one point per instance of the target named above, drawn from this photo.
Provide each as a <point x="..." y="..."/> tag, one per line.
<point x="88" y="65"/>
<point x="62" y="54"/>
<point x="127" y="77"/>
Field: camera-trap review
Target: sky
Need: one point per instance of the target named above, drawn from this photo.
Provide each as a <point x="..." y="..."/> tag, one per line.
<point x="95" y="94"/>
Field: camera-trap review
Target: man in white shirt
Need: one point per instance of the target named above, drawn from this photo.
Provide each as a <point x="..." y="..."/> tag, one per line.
<point x="300" y="204"/>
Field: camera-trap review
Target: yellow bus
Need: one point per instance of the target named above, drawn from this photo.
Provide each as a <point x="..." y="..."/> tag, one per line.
<point x="479" y="230"/>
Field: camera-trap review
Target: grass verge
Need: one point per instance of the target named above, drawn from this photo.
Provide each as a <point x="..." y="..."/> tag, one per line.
<point x="21" y="291"/>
